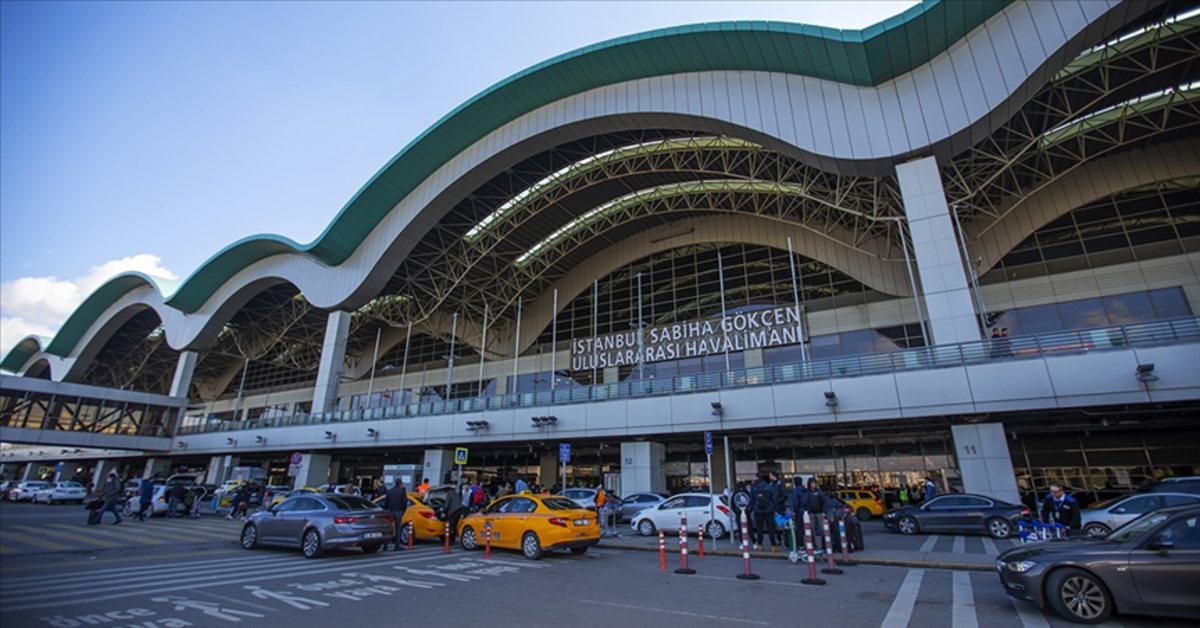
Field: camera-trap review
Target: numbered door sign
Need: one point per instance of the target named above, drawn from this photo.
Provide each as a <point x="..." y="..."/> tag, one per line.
<point x="460" y="456"/>
<point x="564" y="453"/>
<point x="708" y="447"/>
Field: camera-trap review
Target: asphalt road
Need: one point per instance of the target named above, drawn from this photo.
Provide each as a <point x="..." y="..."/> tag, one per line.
<point x="192" y="573"/>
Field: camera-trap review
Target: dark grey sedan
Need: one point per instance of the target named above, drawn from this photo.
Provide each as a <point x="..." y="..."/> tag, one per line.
<point x="1149" y="566"/>
<point x="637" y="502"/>
<point x="961" y="513"/>
<point x="315" y="522"/>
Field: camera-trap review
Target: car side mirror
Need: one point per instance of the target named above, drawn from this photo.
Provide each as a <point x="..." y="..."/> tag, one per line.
<point x="1160" y="544"/>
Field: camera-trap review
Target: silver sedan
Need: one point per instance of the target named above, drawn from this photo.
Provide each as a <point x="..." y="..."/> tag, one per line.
<point x="637" y="502"/>
<point x="316" y="522"/>
<point x="1108" y="516"/>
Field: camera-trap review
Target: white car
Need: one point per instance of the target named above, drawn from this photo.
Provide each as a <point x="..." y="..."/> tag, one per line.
<point x="24" y="491"/>
<point x="61" y="492"/>
<point x="1114" y="513"/>
<point x="666" y="516"/>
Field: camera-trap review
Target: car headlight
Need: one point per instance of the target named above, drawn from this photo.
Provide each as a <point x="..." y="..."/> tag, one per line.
<point x="1020" y="566"/>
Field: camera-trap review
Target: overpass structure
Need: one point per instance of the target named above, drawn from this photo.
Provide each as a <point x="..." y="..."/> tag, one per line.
<point x="844" y="239"/>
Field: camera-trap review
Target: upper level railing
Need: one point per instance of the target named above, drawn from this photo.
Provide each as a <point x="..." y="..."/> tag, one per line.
<point x="1184" y="330"/>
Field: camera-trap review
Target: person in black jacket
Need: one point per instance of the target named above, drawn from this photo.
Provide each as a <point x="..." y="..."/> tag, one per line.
<point x="1061" y="508"/>
<point x="396" y="501"/>
<point x="780" y="506"/>
<point x="762" y="507"/>
<point x="816" y="509"/>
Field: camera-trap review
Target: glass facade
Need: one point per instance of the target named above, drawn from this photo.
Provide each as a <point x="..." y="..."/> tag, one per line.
<point x="1123" y="309"/>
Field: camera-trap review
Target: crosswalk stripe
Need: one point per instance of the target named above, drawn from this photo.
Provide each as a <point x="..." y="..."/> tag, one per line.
<point x="963" y="612"/>
<point x="989" y="547"/>
<point x="36" y="542"/>
<point x="960" y="545"/>
<point x="108" y="532"/>
<point x="82" y="540"/>
<point x="175" y="535"/>
<point x="1029" y="615"/>
<point x="929" y="543"/>
<point x="906" y="597"/>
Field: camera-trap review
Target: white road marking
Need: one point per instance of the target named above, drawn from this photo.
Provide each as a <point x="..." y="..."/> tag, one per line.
<point x="929" y="543"/>
<point x="1029" y="615"/>
<point x="674" y="612"/>
<point x="960" y="545"/>
<point x="989" y="547"/>
<point x="902" y="607"/>
<point x="963" y="612"/>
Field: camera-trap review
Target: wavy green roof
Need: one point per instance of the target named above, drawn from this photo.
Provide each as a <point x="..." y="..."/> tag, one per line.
<point x="864" y="57"/>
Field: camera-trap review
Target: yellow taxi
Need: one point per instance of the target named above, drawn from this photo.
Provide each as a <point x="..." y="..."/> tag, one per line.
<point x="425" y="524"/>
<point x="532" y="524"/>
<point x="284" y="495"/>
<point x="866" y="504"/>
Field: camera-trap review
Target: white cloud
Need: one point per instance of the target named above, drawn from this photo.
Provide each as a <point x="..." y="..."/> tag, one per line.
<point x="39" y="305"/>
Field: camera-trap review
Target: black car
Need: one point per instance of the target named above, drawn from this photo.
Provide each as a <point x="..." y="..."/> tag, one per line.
<point x="1149" y="566"/>
<point x="959" y="512"/>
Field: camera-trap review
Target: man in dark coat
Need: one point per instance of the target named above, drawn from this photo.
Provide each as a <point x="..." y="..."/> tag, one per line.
<point x="1061" y="508"/>
<point x="396" y="501"/>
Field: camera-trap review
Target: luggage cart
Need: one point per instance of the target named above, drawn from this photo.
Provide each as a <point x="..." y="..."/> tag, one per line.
<point x="1038" y="531"/>
<point x="795" y="555"/>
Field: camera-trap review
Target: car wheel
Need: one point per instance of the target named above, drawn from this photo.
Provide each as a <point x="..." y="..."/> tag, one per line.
<point x="1078" y="596"/>
<point x="531" y="547"/>
<point x="250" y="536"/>
<point x="579" y="551"/>
<point x="311" y="545"/>
<point x="714" y="529"/>
<point x="1096" y="530"/>
<point x="999" y="528"/>
<point x="469" y="541"/>
<point x="907" y="525"/>
<point x="373" y="548"/>
<point x="862" y="513"/>
<point x="646" y="527"/>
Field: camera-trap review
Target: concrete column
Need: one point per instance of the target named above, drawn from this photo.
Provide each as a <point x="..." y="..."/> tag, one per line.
<point x="952" y="317"/>
<point x="718" y="466"/>
<point x="31" y="472"/>
<point x="644" y="467"/>
<point x="161" y="466"/>
<point x="219" y="468"/>
<point x="984" y="461"/>
<point x="437" y="463"/>
<point x="312" y="471"/>
<point x="333" y="355"/>
<point x="549" y="472"/>
<point x="183" y="374"/>
<point x="334" y="472"/>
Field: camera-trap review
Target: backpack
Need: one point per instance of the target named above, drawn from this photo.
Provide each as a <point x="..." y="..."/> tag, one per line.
<point x="476" y="495"/>
<point x="762" y="500"/>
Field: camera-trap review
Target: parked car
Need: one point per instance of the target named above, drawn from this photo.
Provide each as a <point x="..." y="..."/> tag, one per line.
<point x="418" y="517"/>
<point x="270" y="492"/>
<point x="159" y="502"/>
<point x="959" y="512"/>
<point x="586" y="497"/>
<point x="866" y="504"/>
<point x="279" y="497"/>
<point x="1190" y="484"/>
<point x="317" y="522"/>
<point x="1139" y="569"/>
<point x="4" y="486"/>
<point x="666" y="515"/>
<point x="532" y="524"/>
<point x="1100" y="521"/>
<point x="61" y="492"/>
<point x="338" y="488"/>
<point x="24" y="490"/>
<point x="637" y="502"/>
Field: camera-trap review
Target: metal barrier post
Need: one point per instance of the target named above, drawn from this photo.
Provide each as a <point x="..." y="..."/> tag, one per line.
<point x="746" y="575"/>
<point x="808" y="552"/>
<point x="829" y="569"/>
<point x="683" y="563"/>
<point x="700" y="540"/>
<point x="410" y="535"/>
<point x="487" y="540"/>
<point x="845" y="562"/>
<point x="662" y="550"/>
<point x="447" y="550"/>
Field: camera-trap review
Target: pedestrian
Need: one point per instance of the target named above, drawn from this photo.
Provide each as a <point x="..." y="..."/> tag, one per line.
<point x="904" y="496"/>
<point x="175" y="494"/>
<point x="1005" y="344"/>
<point x="520" y="487"/>
<point x="396" y="501"/>
<point x="423" y="487"/>
<point x="930" y="489"/>
<point x="454" y="511"/>
<point x="762" y="506"/>
<point x="1062" y="509"/>
<point x="112" y="492"/>
<point x="145" y="498"/>
<point x="994" y="343"/>
<point x="816" y="509"/>
<point x="780" y="506"/>
<point x="506" y="489"/>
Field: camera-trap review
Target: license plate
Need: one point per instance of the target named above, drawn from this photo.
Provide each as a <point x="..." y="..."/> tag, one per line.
<point x="373" y="535"/>
<point x="581" y="522"/>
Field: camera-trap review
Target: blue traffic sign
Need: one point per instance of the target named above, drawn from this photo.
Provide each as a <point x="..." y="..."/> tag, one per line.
<point x="708" y="443"/>
<point x="564" y="453"/>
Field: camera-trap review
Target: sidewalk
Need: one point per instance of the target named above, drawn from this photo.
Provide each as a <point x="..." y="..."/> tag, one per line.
<point x="890" y="557"/>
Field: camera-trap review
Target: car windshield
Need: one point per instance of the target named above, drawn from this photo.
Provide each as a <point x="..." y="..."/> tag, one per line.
<point x="1137" y="527"/>
<point x="558" y="503"/>
<point x="350" y="502"/>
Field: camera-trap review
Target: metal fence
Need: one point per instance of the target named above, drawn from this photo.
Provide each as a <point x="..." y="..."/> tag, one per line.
<point x="1184" y="330"/>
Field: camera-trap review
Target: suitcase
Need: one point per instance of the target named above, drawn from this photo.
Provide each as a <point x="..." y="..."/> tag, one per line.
<point x="854" y="535"/>
<point x="94" y="507"/>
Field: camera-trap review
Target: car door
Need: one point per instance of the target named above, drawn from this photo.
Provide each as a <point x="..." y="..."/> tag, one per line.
<point x="697" y="511"/>
<point x="270" y="529"/>
<point x="1166" y="575"/>
<point x="939" y="513"/>
<point x="494" y="515"/>
<point x="666" y="515"/>
<point x="971" y="512"/>
<point x="1130" y="509"/>
<point x="293" y="522"/>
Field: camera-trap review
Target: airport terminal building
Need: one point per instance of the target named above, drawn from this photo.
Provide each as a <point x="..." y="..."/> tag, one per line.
<point x="961" y="243"/>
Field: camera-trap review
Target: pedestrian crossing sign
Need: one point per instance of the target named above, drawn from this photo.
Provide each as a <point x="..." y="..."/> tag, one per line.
<point x="460" y="456"/>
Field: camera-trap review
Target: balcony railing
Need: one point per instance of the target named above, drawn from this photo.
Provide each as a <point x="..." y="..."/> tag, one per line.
<point x="1184" y="330"/>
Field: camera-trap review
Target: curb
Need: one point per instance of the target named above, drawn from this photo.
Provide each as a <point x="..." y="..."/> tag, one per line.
<point x="885" y="562"/>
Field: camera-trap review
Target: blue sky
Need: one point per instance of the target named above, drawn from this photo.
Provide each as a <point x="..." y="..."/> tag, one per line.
<point x="149" y="135"/>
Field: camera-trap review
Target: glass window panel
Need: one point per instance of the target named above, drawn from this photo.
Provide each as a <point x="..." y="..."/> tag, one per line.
<point x="1170" y="303"/>
<point x="1129" y="308"/>
<point x="1082" y="314"/>
<point x="1039" y="319"/>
